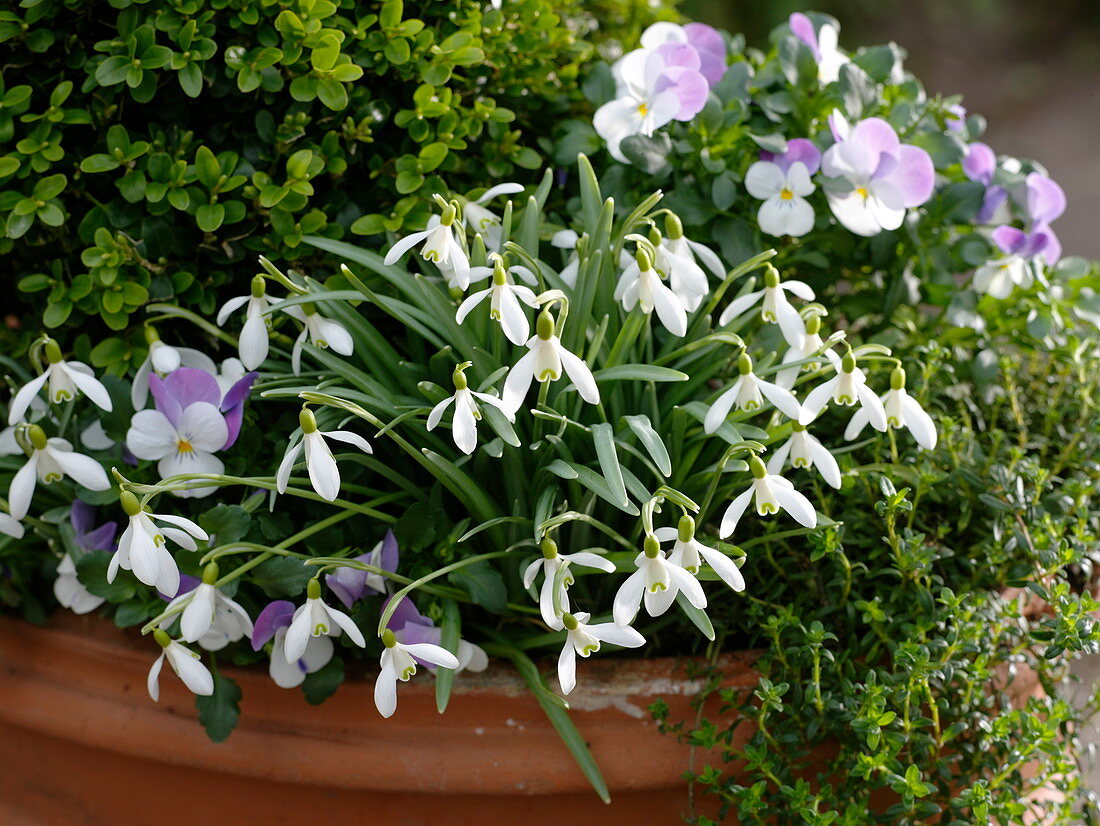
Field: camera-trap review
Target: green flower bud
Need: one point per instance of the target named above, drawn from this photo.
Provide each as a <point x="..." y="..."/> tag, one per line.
<point x="644" y="259"/>
<point x="210" y="574"/>
<point x="685" y="531"/>
<point x="53" y="352"/>
<point x="771" y="277"/>
<point x="569" y="621"/>
<point x="848" y="363"/>
<point x="162" y="638"/>
<point x="448" y="216"/>
<point x="654" y="236"/>
<point x="129" y="503"/>
<point x="651" y="546"/>
<point x="744" y="364"/>
<point x="673" y="228"/>
<point x="37" y="437"/>
<point x="549" y="548"/>
<point x="307" y="421"/>
<point x="459" y="377"/>
<point x="313" y="589"/>
<point x="897" y="379"/>
<point x="259" y="286"/>
<point x="500" y="275"/>
<point x="758" y="468"/>
<point x="388" y="639"/>
<point x="545" y="325"/>
<point x="813" y="325"/>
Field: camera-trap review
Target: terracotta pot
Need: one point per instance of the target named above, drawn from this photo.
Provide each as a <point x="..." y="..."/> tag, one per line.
<point x="82" y="743"/>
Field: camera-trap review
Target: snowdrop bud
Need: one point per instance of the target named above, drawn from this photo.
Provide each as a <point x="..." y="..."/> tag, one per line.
<point x="459" y="377"/>
<point x="651" y="546"/>
<point x="53" y="352"/>
<point x="313" y="589"/>
<point x="771" y="277"/>
<point x="897" y="379"/>
<point x="545" y="325"/>
<point x="744" y="364"/>
<point x="151" y="335"/>
<point x="448" y="216"/>
<point x="848" y="363"/>
<point x="644" y="259"/>
<point x="813" y="325"/>
<point x="129" y="503"/>
<point x="500" y="275"/>
<point x="685" y="531"/>
<point x="569" y="621"/>
<point x="388" y="639"/>
<point x="673" y="228"/>
<point x="307" y="421"/>
<point x="655" y="236"/>
<point x="210" y="574"/>
<point x="162" y="638"/>
<point x="37" y="437"/>
<point x="758" y="468"/>
<point x="549" y="548"/>
<point x="259" y="287"/>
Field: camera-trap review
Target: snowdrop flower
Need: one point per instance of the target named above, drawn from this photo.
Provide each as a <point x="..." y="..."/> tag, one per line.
<point x="399" y="662"/>
<point x="999" y="277"/>
<point x="50" y="460"/>
<point x="544" y="362"/>
<point x="775" y="306"/>
<point x="143" y="547"/>
<point x="504" y="304"/>
<point x="848" y="388"/>
<point x="67" y="380"/>
<point x="481" y="220"/>
<point x="271" y="626"/>
<point x="771" y="493"/>
<point x="253" y="341"/>
<point x="315" y="619"/>
<point x="822" y="43"/>
<point x="657" y="581"/>
<point x="410" y="627"/>
<point x="568" y="239"/>
<point x="748" y="393"/>
<point x="440" y="247"/>
<point x="324" y="475"/>
<point x="706" y="42"/>
<point x="805" y="451"/>
<point x="466" y="413"/>
<point x="875" y="177"/>
<point x="811" y="345"/>
<point x="185" y="662"/>
<point x="655" y="86"/>
<point x="67" y="588"/>
<point x="680" y="258"/>
<point x="640" y="284"/>
<point x="689" y="553"/>
<point x="902" y="410"/>
<point x="350" y="585"/>
<point x="9" y="444"/>
<point x="585" y="640"/>
<point x="70" y="592"/>
<point x="980" y="165"/>
<point x="162" y="360"/>
<point x="10" y="526"/>
<point x="209" y="617"/>
<point x="322" y="332"/>
<point x="782" y="182"/>
<point x="550" y="563"/>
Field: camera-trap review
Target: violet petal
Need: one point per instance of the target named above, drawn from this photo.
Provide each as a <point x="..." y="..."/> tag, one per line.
<point x="276" y="615"/>
<point x="1045" y="199"/>
<point x="803" y="29"/>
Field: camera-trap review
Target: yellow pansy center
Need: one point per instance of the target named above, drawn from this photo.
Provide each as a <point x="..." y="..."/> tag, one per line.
<point x="862" y="192"/>
<point x="643" y="110"/>
<point x="786" y="194"/>
<point x="184" y="446"/>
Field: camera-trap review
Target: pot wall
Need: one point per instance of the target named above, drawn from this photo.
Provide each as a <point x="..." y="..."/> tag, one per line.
<point x="82" y="743"/>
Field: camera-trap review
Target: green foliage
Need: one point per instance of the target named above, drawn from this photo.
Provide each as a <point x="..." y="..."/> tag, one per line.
<point x="149" y="151"/>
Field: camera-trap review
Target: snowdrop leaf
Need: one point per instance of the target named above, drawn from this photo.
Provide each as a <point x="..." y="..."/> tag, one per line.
<point x="450" y="631"/>
<point x="651" y="441"/>
<point x="697" y="616"/>
<point x="639" y="372"/>
<point x="591" y="480"/>
<point x="603" y="435"/>
<point x="218" y="712"/>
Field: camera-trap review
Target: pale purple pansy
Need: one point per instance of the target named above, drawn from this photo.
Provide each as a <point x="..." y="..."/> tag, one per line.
<point x="980" y="165"/>
<point x="1046" y="201"/>
<point x="87" y="536"/>
<point x="880" y="177"/>
<point x="822" y="43"/>
<point x="955" y="118"/>
<point x="349" y="585"/>
<point x="799" y="150"/>
<point x="706" y="41"/>
<point x="1000" y="276"/>
<point x="782" y="181"/>
<point x="271" y="626"/>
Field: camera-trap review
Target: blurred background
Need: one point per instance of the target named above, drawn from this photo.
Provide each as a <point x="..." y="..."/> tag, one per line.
<point x="1031" y="68"/>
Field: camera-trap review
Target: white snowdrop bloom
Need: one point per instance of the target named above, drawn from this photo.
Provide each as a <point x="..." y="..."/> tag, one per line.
<point x="183" y="446"/>
<point x="657" y="581"/>
<point x="811" y="345"/>
<point x="9" y="444"/>
<point x="480" y="220"/>
<point x="689" y="553"/>
<point x="640" y="284"/>
<point x="748" y="394"/>
<point x="1001" y="276"/>
<point x="785" y="210"/>
<point x="143" y="546"/>
<point x="902" y="410"/>
<point x="64" y="381"/>
<point x="585" y="640"/>
<point x="398" y="662"/>
<point x="185" y="662"/>
<point x="683" y="260"/>
<point x="162" y="360"/>
<point x="848" y="388"/>
<point x="774" y="307"/>
<point x="552" y="604"/>
<point x="466" y="412"/>
<point x="567" y="239"/>
<point x="253" y="341"/>
<point x="544" y="360"/>
<point x="322" y="332"/>
<point x="805" y="451"/>
<point x="51" y="460"/>
<point x="440" y="247"/>
<point x="772" y="493"/>
<point x="209" y="617"/>
<point x="504" y="303"/>
<point x="316" y="619"/>
<point x="324" y="474"/>
<point x="70" y="592"/>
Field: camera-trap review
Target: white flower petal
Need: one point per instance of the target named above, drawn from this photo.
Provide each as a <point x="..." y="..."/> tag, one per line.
<point x="22" y="400"/>
<point x="567" y="667"/>
<point x="735" y="511"/>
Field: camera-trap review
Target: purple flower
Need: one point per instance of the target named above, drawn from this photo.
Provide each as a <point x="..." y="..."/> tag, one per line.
<point x="822" y="45"/>
<point x="350" y="585"/>
<point x="955" y="118"/>
<point x="999" y="277"/>
<point x="1045" y="203"/>
<point x="799" y="150"/>
<point x="271" y="625"/>
<point x="877" y="178"/>
<point x="190" y="385"/>
<point x="980" y="165"/>
<point x="87" y="537"/>
<point x="711" y="48"/>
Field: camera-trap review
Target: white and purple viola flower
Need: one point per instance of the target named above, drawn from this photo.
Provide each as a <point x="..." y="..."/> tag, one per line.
<point x="1046" y="201"/>
<point x="782" y="182"/>
<point x="980" y="165"/>
<point x="67" y="588"/>
<point x="162" y="360"/>
<point x="823" y="45"/>
<point x="271" y="626"/>
<point x="410" y="627"/>
<point x="1000" y="276"/>
<point x="705" y="40"/>
<point x="873" y="177"/>
<point x="349" y="585"/>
